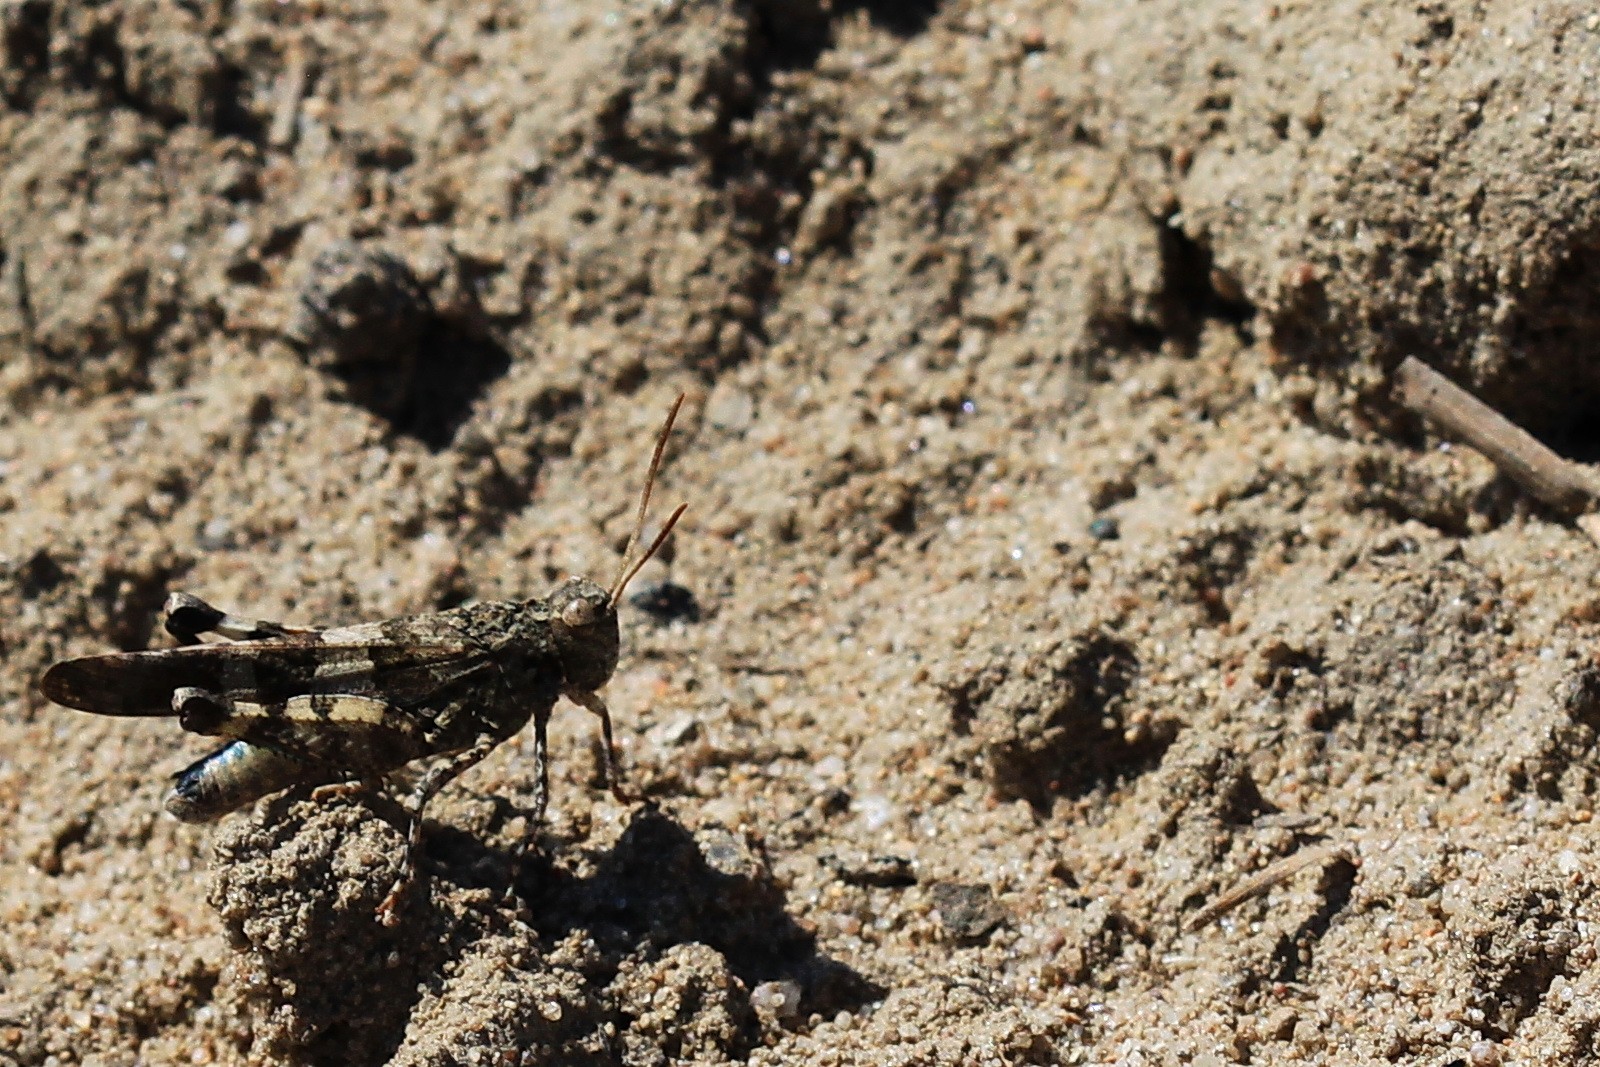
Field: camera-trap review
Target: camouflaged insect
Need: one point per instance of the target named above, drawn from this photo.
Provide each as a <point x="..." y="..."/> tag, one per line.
<point x="340" y="707"/>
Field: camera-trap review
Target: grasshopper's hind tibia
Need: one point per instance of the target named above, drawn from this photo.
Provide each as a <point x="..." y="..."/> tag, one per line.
<point x="187" y="617"/>
<point x="541" y="799"/>
<point x="230" y="778"/>
<point x="436" y="778"/>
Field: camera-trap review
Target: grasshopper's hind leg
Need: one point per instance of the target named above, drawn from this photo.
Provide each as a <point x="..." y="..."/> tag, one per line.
<point x="187" y="617"/>
<point x="202" y="712"/>
<point x="541" y="798"/>
<point x="436" y="778"/>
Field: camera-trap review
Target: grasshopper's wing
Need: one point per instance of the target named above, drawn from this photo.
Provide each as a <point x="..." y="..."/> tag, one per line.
<point x="399" y="662"/>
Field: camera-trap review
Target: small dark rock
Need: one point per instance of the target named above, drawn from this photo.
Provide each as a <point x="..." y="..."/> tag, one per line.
<point x="39" y="574"/>
<point x="881" y="871"/>
<point x="1105" y="528"/>
<point x="834" y="801"/>
<point x="967" y="912"/>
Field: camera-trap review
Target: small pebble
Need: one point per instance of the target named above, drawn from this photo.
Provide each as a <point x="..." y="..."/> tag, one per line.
<point x="1105" y="529"/>
<point x="778" y="1001"/>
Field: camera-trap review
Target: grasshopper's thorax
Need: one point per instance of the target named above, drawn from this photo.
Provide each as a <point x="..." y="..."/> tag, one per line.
<point x="583" y="628"/>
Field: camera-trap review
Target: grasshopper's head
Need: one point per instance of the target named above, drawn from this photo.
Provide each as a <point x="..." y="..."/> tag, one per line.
<point x="583" y="625"/>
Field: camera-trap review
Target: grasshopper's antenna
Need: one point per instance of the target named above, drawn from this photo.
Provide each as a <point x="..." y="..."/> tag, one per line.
<point x="622" y="583"/>
<point x="629" y="570"/>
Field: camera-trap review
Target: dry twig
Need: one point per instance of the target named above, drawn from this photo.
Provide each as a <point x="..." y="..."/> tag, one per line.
<point x="1262" y="881"/>
<point x="1566" y="486"/>
<point x="288" y="94"/>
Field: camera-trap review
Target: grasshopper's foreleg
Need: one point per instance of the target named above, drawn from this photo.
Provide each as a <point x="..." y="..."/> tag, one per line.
<point x="187" y="617"/>
<point x="436" y="778"/>
<point x="591" y="700"/>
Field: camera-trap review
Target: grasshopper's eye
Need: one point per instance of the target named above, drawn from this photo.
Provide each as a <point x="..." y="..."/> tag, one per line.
<point x="578" y="613"/>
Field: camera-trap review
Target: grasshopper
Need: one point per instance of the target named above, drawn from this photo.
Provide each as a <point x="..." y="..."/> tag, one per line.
<point x="340" y="708"/>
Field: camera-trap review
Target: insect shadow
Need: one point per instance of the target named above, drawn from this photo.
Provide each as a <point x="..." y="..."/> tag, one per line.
<point x="663" y="884"/>
<point x="350" y="986"/>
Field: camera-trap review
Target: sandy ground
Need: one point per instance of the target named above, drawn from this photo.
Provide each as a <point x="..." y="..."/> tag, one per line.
<point x="1056" y="559"/>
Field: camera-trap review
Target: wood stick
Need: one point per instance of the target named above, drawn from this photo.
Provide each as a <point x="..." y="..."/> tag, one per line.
<point x="289" y="92"/>
<point x="1273" y="874"/>
<point x="1566" y="486"/>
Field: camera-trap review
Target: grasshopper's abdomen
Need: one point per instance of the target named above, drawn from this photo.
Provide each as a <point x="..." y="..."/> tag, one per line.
<point x="232" y="777"/>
